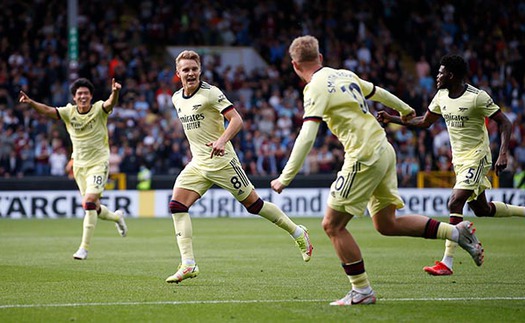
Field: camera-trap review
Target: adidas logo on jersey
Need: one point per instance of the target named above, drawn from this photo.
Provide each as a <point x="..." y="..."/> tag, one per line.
<point x="240" y="192"/>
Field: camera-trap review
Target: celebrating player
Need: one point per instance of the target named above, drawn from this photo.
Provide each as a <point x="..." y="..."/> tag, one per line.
<point x="202" y="108"/>
<point x="368" y="175"/>
<point x="86" y="124"/>
<point x="464" y="109"/>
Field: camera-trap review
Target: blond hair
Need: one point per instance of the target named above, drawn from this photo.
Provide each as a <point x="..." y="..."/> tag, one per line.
<point x="188" y="54"/>
<point x="304" y="49"/>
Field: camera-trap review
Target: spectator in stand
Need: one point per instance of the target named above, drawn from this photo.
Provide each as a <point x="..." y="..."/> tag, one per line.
<point x="284" y="126"/>
<point x="249" y="163"/>
<point x="175" y="158"/>
<point x="58" y="161"/>
<point x="42" y="152"/>
<point x="7" y="143"/>
<point x="10" y="119"/>
<point x="519" y="153"/>
<point x="131" y="162"/>
<point x="266" y="119"/>
<point x="57" y="140"/>
<point x="11" y="165"/>
<point x="114" y="160"/>
<point x="422" y="68"/>
<point x="163" y="96"/>
<point x="27" y="158"/>
<point x="266" y="162"/>
<point x="325" y="160"/>
<point x="59" y="93"/>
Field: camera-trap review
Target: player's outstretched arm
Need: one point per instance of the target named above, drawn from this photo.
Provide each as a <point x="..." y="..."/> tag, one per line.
<point x="302" y="146"/>
<point x="424" y="121"/>
<point x="392" y="101"/>
<point x="39" y="107"/>
<point x="113" y="97"/>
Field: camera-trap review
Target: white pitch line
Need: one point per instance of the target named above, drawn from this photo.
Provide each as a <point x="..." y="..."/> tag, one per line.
<point x="438" y="299"/>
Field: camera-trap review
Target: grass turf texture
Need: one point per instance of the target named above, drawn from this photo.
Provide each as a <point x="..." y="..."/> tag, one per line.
<point x="251" y="271"/>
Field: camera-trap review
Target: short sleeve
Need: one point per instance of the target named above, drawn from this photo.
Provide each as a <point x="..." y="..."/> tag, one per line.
<point x="434" y="106"/>
<point x="219" y="100"/>
<point x="485" y="104"/>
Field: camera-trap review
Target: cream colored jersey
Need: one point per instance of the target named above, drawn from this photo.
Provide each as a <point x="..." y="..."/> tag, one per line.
<point x="339" y="98"/>
<point x="465" y="119"/>
<point x="203" y="122"/>
<point x="88" y="132"/>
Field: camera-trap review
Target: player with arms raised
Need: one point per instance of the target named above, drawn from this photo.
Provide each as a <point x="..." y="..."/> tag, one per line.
<point x="465" y="109"/>
<point x="202" y="108"/>
<point x="86" y="124"/>
<point x="368" y="175"/>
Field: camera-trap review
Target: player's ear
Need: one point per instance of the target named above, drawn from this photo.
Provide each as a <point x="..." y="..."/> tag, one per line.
<point x="295" y="65"/>
<point x="320" y="58"/>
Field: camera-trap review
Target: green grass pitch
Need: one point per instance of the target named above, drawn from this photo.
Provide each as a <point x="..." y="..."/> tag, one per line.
<point x="251" y="271"/>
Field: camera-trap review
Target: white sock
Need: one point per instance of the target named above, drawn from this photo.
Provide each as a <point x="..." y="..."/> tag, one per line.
<point x="188" y="262"/>
<point x="297" y="233"/>
<point x="448" y="261"/>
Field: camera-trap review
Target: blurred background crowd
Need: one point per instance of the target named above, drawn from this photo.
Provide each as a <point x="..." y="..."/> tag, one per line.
<point x="395" y="44"/>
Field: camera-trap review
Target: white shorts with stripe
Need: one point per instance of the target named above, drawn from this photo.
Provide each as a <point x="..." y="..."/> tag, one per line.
<point x="359" y="186"/>
<point x="91" y="179"/>
<point x="472" y="176"/>
<point x="232" y="178"/>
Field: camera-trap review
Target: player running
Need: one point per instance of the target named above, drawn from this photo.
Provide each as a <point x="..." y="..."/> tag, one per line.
<point x="465" y="109"/>
<point x="368" y="175"/>
<point x="202" y="108"/>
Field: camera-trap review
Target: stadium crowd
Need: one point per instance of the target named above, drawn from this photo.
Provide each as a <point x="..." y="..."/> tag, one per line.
<point x="395" y="44"/>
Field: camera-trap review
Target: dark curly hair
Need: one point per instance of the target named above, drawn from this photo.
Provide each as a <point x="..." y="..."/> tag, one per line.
<point x="456" y="65"/>
<point x="81" y="82"/>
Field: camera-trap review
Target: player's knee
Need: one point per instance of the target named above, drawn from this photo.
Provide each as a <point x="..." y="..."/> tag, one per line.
<point x="177" y="207"/>
<point x="256" y="206"/>
<point x="454" y="205"/>
<point x="330" y="227"/>
<point x="327" y="227"/>
<point x="381" y="229"/>
<point x="384" y="229"/>
<point x="89" y="206"/>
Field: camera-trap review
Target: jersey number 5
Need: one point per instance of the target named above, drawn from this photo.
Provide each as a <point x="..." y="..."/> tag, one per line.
<point x="354" y="90"/>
